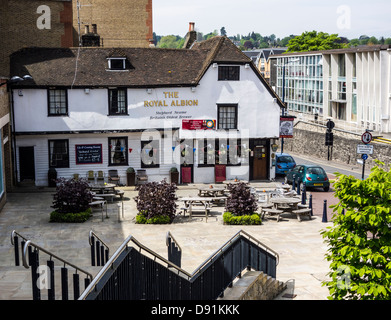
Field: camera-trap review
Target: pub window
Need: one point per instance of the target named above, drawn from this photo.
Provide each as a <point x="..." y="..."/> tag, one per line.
<point x="57" y="102"/>
<point x="218" y="151"/>
<point x="58" y="153"/>
<point x="227" y="117"/>
<point x="150" y="154"/>
<point x="118" y="155"/>
<point x="229" y="73"/>
<point x="117" y="102"/>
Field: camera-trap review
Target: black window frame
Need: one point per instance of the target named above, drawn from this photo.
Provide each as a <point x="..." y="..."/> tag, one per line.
<point x="110" y="102"/>
<point x="65" y="161"/>
<point x="229" y="73"/>
<point x="152" y="165"/>
<point x="203" y="152"/>
<point x="125" y="152"/>
<point x="220" y="121"/>
<point x="49" y="101"/>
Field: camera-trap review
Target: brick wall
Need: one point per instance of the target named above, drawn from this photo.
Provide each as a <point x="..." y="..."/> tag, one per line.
<point x="18" y="27"/>
<point x="120" y="23"/>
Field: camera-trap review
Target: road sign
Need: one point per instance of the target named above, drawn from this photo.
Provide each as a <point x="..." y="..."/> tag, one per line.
<point x="366" y="137"/>
<point x="365" y="148"/>
<point x="364" y="156"/>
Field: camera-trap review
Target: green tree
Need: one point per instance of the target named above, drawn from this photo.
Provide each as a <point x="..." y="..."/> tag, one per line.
<point x="360" y="240"/>
<point x="170" y="41"/>
<point x="314" y="41"/>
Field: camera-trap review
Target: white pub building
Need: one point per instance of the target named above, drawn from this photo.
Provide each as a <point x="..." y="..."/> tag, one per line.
<point x="205" y="110"/>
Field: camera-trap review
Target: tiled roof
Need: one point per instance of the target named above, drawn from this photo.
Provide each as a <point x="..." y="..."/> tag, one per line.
<point x="148" y="67"/>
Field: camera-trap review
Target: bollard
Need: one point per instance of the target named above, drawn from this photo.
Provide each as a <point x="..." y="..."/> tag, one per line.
<point x="293" y="183"/>
<point x="298" y="188"/>
<point x="304" y="195"/>
<point x="324" y="218"/>
<point x="310" y="205"/>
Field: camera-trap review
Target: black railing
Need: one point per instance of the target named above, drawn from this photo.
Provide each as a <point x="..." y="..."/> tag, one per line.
<point x="43" y="276"/>
<point x="131" y="275"/>
<point x="99" y="250"/>
<point x="174" y="251"/>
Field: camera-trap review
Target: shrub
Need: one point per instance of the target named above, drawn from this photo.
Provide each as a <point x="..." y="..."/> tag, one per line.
<point x="70" y="217"/>
<point x="72" y="196"/>
<point x="141" y="219"/>
<point x="240" y="200"/>
<point x="360" y="240"/>
<point x="253" y="219"/>
<point x="156" y="199"/>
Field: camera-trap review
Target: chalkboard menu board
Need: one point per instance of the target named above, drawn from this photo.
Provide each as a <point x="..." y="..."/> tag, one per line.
<point x="88" y="153"/>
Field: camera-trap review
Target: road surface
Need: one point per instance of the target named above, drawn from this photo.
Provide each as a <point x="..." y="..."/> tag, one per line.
<point x="318" y="195"/>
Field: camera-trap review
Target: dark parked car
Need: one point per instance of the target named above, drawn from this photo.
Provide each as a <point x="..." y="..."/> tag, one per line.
<point x="284" y="163"/>
<point x="310" y="175"/>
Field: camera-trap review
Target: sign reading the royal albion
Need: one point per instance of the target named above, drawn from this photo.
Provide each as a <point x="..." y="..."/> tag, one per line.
<point x="189" y="124"/>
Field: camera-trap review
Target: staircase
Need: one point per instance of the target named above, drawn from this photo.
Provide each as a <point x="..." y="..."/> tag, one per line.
<point x="226" y="273"/>
<point x="254" y="285"/>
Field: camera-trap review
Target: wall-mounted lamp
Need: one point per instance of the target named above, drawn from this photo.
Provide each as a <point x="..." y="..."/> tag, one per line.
<point x="149" y="91"/>
<point x="214" y="65"/>
<point x="246" y="66"/>
<point x="193" y="89"/>
<point x="87" y="90"/>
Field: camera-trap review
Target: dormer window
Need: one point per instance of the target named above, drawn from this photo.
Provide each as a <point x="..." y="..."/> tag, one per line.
<point x="117" y="63"/>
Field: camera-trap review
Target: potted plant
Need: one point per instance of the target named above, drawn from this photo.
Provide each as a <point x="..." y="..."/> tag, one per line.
<point x="130" y="177"/>
<point x="174" y="175"/>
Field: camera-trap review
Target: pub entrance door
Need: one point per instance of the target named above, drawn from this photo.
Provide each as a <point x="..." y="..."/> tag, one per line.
<point x="260" y="163"/>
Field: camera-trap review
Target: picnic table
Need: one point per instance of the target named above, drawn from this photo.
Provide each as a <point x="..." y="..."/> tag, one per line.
<point x="205" y="202"/>
<point x="289" y="204"/>
<point x="211" y="191"/>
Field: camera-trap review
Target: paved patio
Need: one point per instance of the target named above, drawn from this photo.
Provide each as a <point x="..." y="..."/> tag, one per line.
<point x="299" y="244"/>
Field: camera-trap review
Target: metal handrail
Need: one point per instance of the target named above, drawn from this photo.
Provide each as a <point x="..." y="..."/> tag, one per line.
<point x="124" y="246"/>
<point x="221" y="249"/>
<point x="169" y="235"/>
<point x="93" y="234"/>
<point x="13" y="233"/>
<point x="116" y="254"/>
<point x="30" y="243"/>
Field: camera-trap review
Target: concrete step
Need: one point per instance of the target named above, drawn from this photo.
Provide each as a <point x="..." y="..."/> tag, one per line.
<point x="254" y="285"/>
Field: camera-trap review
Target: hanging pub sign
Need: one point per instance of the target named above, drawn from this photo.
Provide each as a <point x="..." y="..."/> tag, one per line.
<point x="190" y="124"/>
<point x="286" y="127"/>
<point x="88" y="153"/>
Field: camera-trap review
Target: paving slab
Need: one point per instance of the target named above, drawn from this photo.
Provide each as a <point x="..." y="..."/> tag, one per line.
<point x="299" y="244"/>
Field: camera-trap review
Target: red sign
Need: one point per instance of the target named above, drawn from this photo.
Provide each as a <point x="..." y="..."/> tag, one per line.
<point x="366" y="137"/>
<point x="188" y="124"/>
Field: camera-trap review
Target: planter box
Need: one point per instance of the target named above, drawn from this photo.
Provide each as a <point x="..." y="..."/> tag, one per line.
<point x="131" y="179"/>
<point x="174" y="177"/>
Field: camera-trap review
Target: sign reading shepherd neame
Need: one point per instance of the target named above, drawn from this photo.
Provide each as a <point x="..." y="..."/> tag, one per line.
<point x="88" y="153"/>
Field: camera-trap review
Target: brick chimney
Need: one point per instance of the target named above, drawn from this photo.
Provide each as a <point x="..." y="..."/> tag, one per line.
<point x="191" y="36"/>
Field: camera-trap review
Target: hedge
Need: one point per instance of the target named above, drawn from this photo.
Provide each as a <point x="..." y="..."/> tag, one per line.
<point x="70" y="217"/>
<point x="253" y="219"/>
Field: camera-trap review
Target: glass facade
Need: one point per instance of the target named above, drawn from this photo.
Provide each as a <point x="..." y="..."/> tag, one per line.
<point x="300" y="83"/>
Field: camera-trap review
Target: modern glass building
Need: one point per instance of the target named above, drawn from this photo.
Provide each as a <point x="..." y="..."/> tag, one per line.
<point x="351" y="86"/>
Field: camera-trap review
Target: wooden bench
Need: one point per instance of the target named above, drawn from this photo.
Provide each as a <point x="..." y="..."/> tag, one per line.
<point x="302" y="212"/>
<point x="99" y="203"/>
<point x="272" y="212"/>
<point x="107" y="195"/>
<point x="120" y="193"/>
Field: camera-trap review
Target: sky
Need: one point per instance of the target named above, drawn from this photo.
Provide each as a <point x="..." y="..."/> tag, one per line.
<point x="347" y="18"/>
